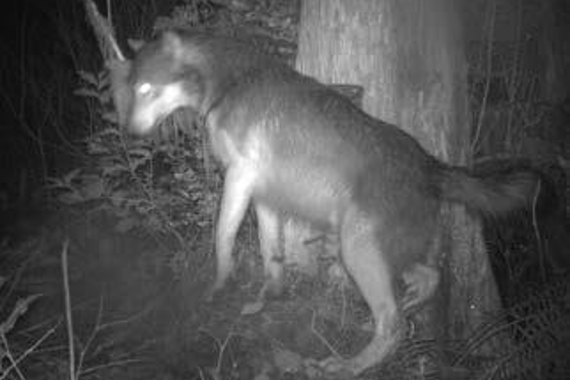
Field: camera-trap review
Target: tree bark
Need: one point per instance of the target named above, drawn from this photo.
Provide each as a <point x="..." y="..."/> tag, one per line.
<point x="409" y="58"/>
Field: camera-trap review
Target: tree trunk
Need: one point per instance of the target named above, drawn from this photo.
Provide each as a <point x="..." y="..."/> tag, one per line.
<point x="409" y="58"/>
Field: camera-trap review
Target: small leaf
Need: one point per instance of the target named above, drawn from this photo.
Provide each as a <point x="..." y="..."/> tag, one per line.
<point x="252" y="307"/>
<point x="69" y="177"/>
<point x="55" y="183"/>
<point x="87" y="77"/>
<point x="114" y="169"/>
<point x="109" y="132"/>
<point x="118" y="197"/>
<point x="87" y="93"/>
<point x="20" y="309"/>
<point x="70" y="198"/>
<point x="111" y="117"/>
<point x="93" y="189"/>
<point x="105" y="96"/>
<point x="136" y="163"/>
<point x="140" y="152"/>
<point x="287" y="361"/>
<point x="126" y="224"/>
<point x="97" y="148"/>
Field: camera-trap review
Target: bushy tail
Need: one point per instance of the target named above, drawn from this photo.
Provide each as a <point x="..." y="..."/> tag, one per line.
<point x="492" y="195"/>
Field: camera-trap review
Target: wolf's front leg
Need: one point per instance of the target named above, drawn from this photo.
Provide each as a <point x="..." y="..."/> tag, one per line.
<point x="238" y="184"/>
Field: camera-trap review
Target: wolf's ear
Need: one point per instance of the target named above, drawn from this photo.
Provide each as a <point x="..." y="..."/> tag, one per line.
<point x="172" y="44"/>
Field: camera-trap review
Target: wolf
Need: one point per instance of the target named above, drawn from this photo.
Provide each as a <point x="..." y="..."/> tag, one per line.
<point x="293" y="148"/>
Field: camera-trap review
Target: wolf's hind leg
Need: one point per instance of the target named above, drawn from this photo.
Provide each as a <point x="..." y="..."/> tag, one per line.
<point x="366" y="263"/>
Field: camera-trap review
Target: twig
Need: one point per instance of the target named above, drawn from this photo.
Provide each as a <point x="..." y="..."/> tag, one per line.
<point x="103" y="31"/>
<point x="27" y="128"/>
<point x="92" y="336"/>
<point x="98" y="328"/>
<point x="68" y="316"/>
<point x="8" y="354"/>
<point x="21" y="269"/>
<point x="29" y="351"/>
<point x="321" y="337"/>
<point x="515" y="69"/>
<point x="110" y="364"/>
<point x="344" y="305"/>
<point x="487" y="79"/>
<point x="537" y="232"/>
<point x="223" y="347"/>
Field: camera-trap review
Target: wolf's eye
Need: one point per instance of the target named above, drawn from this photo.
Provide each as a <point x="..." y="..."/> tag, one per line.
<point x="145" y="89"/>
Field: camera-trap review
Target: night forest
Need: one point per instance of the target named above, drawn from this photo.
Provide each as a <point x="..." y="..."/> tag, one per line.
<point x="107" y="241"/>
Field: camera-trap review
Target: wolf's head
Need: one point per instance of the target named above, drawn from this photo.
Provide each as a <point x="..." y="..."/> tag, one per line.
<point x="164" y="76"/>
